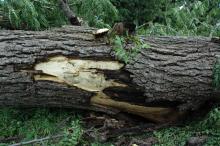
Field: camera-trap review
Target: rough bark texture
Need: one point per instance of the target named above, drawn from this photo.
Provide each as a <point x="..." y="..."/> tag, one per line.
<point x="21" y="50"/>
<point x="174" y="71"/>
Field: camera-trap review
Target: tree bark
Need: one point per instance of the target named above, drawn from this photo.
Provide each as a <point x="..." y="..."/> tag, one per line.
<point x="70" y="68"/>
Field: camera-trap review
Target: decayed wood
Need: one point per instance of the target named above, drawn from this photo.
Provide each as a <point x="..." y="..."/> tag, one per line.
<point x="70" y="67"/>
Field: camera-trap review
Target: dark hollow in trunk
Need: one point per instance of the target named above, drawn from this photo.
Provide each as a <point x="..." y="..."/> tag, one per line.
<point x="69" y="67"/>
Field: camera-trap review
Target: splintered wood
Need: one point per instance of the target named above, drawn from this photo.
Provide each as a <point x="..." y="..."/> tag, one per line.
<point x="72" y="67"/>
<point x="84" y="74"/>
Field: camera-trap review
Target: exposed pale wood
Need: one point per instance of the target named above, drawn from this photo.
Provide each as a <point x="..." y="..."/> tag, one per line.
<point x="175" y="73"/>
<point x="156" y="114"/>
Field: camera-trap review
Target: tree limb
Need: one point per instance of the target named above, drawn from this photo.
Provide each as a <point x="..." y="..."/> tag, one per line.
<point x="68" y="12"/>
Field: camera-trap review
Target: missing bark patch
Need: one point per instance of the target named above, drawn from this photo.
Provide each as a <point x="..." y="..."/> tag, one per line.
<point x="79" y="73"/>
<point x="90" y="75"/>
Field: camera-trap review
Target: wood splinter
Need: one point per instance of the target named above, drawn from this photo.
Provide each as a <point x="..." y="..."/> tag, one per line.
<point x="83" y="74"/>
<point x="174" y="72"/>
<point x="155" y="114"/>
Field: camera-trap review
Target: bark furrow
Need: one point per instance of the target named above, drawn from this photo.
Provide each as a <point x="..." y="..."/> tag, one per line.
<point x="173" y="72"/>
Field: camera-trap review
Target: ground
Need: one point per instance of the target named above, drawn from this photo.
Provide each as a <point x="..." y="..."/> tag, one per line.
<point x="28" y="124"/>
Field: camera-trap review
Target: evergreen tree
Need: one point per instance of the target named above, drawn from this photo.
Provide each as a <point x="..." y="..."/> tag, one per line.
<point x="188" y="17"/>
<point x="42" y="14"/>
<point x="99" y="13"/>
<point x="138" y="11"/>
<point x="31" y="14"/>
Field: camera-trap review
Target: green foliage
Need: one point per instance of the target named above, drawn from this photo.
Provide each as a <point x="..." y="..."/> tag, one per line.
<point x="173" y="136"/>
<point x="38" y="123"/>
<point x="138" y="11"/>
<point x="190" y="19"/>
<point x="210" y="127"/>
<point x="73" y="135"/>
<point x="36" y="15"/>
<point x="32" y="14"/>
<point x="216" y="74"/>
<point x="101" y="144"/>
<point x="127" y="54"/>
<point x="41" y="123"/>
<point x="212" y="121"/>
<point x="193" y="18"/>
<point x="31" y="124"/>
<point x="99" y="13"/>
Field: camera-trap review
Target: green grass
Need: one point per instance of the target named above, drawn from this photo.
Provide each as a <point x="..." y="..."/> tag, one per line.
<point x="32" y="124"/>
<point x="210" y="127"/>
<point x="38" y="123"/>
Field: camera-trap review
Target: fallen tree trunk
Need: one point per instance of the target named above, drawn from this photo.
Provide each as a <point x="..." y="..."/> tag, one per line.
<point x="69" y="67"/>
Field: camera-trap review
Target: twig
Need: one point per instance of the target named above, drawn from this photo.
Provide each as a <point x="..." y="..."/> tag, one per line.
<point x="37" y="140"/>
